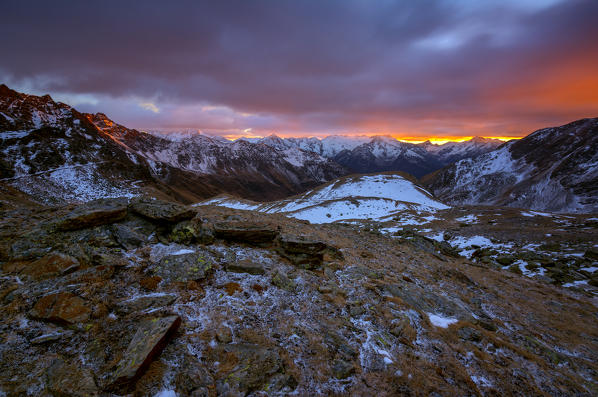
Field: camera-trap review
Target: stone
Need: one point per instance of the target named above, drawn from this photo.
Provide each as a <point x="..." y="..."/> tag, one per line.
<point x="403" y="330"/>
<point x="94" y="213"/>
<point x="161" y="211"/>
<point x="591" y="254"/>
<point x="139" y="303"/>
<point x="470" y="334"/>
<point x="193" y="231"/>
<point x="245" y="266"/>
<point x="342" y="369"/>
<point x="70" y="380"/>
<point x="150" y="283"/>
<point x="147" y="343"/>
<point x="282" y="281"/>
<point x="185" y="267"/>
<point x="224" y="335"/>
<point x="304" y="253"/>
<point x="256" y="234"/>
<point x="51" y="337"/>
<point x="193" y="377"/>
<point x="62" y="308"/>
<point x="505" y="260"/>
<point x="126" y="237"/>
<point x="250" y="368"/>
<point x="52" y="265"/>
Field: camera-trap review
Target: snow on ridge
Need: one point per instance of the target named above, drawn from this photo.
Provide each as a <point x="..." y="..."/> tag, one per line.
<point x="373" y="197"/>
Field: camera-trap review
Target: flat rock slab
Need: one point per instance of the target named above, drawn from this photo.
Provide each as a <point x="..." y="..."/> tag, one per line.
<point x="246" y="232"/>
<point x="185" y="267"/>
<point x="162" y="211"/>
<point x="150" y="301"/>
<point x="94" y="213"/>
<point x="305" y="253"/>
<point x="147" y="343"/>
<point x="51" y="265"/>
<point x="62" y="308"/>
<point x="245" y="266"/>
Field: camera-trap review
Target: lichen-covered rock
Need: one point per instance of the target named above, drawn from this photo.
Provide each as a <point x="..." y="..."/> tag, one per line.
<point x="64" y="379"/>
<point x="62" y="308"/>
<point x="94" y="213"/>
<point x="147" y="343"/>
<point x="51" y="265"/>
<point x="245" y="266"/>
<point x="246" y="232"/>
<point x="193" y="231"/>
<point x="161" y="211"/>
<point x="184" y="267"/>
<point x="282" y="281"/>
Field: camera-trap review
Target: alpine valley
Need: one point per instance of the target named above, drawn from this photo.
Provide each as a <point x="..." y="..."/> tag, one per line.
<point x="156" y="264"/>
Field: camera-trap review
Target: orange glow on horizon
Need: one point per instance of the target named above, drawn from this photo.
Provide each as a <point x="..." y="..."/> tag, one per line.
<point x="437" y="140"/>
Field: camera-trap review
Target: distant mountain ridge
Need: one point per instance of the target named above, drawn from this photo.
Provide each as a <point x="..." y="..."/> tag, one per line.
<point x="52" y="152"/>
<point x="367" y="154"/>
<point x="552" y="169"/>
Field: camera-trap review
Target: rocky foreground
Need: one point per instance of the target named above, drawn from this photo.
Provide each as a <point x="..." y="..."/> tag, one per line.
<point x="140" y="296"/>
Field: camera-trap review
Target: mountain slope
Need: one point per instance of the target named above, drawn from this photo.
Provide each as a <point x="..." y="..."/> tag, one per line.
<point x="54" y="153"/>
<point x="552" y="169"/>
<point x="378" y="196"/>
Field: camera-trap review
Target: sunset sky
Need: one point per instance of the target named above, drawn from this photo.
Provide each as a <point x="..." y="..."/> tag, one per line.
<point x="410" y="69"/>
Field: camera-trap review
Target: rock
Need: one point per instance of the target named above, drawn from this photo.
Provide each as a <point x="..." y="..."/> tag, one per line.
<point x="144" y="302"/>
<point x="342" y="369"/>
<point x="355" y="308"/>
<point x="224" y="334"/>
<point x="305" y="253"/>
<point x="505" y="260"/>
<point x="282" y="281"/>
<point x="51" y="337"/>
<point x="257" y="234"/>
<point x="193" y="231"/>
<point x="470" y="334"/>
<point x="52" y="265"/>
<point x="62" y="308"/>
<point x="147" y="343"/>
<point x="193" y="378"/>
<point x="161" y="211"/>
<point x="94" y="213"/>
<point x="403" y="330"/>
<point x="185" y="267"/>
<point x="245" y="266"/>
<point x="591" y="254"/>
<point x="515" y="269"/>
<point x="70" y="380"/>
<point x="250" y="367"/>
<point x="126" y="237"/>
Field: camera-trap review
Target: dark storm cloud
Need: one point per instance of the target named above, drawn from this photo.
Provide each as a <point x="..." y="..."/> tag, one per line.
<point x="316" y="66"/>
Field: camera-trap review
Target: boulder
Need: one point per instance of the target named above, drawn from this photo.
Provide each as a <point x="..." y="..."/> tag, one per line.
<point x="282" y="281"/>
<point x="185" y="267"/>
<point x="161" y="211"/>
<point x="245" y="266"/>
<point x="51" y="265"/>
<point x="62" y="308"/>
<point x="147" y="343"/>
<point x="305" y="253"/>
<point x="246" y="232"/>
<point x="342" y="369"/>
<point x="94" y="213"/>
<point x="193" y="231"/>
<point x="126" y="237"/>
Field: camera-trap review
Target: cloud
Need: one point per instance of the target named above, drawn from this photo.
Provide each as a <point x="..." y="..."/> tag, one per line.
<point x="459" y="67"/>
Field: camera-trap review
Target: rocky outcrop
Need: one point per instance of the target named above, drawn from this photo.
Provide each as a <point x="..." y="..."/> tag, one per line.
<point x="62" y="308"/>
<point x="94" y="213"/>
<point x="245" y="232"/>
<point x="161" y="211"/>
<point x="146" y="345"/>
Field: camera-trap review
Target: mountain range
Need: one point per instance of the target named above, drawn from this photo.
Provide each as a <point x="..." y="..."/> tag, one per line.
<point x="553" y="169"/>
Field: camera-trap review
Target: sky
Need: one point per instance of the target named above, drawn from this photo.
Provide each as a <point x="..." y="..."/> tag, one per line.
<point x="411" y="69"/>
